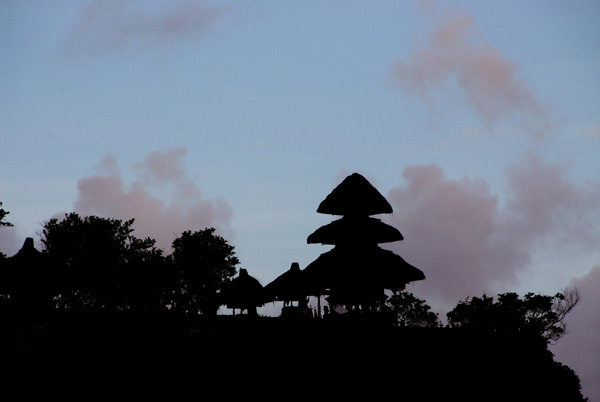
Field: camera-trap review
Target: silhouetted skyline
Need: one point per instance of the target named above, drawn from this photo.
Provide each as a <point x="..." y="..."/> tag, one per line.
<point x="479" y="124"/>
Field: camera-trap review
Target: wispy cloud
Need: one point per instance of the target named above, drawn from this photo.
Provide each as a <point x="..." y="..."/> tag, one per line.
<point x="108" y="25"/>
<point x="179" y="207"/>
<point x="457" y="53"/>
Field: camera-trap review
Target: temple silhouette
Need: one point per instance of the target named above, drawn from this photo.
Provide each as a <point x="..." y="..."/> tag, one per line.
<point x="354" y="275"/>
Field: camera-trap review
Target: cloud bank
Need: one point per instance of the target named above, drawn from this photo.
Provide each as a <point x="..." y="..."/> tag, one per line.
<point x="179" y="205"/>
<point x="107" y="25"/>
<point x="468" y="242"/>
<point x="458" y="53"/>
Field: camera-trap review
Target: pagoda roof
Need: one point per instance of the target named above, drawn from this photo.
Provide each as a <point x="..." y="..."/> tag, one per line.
<point x="355" y="229"/>
<point x="359" y="268"/>
<point x="355" y="196"/>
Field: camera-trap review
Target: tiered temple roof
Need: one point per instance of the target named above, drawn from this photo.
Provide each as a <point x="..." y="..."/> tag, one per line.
<point x="356" y="270"/>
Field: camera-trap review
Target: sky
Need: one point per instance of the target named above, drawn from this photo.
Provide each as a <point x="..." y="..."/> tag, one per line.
<point x="478" y="121"/>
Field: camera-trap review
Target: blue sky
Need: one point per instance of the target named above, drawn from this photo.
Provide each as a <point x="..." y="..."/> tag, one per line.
<point x="244" y="115"/>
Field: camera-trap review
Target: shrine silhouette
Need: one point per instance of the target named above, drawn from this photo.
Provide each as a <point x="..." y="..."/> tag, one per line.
<point x="355" y="273"/>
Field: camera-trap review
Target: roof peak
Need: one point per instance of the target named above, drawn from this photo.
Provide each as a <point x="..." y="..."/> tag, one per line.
<point x="355" y="195"/>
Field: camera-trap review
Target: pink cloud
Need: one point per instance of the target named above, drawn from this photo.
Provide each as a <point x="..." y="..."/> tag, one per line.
<point x="468" y="243"/>
<point x="453" y="231"/>
<point x="181" y="205"/>
<point x="10" y="242"/>
<point x="489" y="81"/>
<point x="544" y="200"/>
<point x="114" y="24"/>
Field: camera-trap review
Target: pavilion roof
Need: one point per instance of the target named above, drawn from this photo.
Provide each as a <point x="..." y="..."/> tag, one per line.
<point x="289" y="286"/>
<point x="243" y="292"/>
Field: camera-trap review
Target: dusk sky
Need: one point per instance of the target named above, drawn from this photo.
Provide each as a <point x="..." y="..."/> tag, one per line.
<point x="479" y="121"/>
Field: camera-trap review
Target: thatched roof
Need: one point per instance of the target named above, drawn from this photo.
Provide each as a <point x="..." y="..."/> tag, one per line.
<point x="361" y="269"/>
<point x="355" y="229"/>
<point x="28" y="255"/>
<point x="289" y="286"/>
<point x="29" y="276"/>
<point x="243" y="292"/>
<point x="355" y="196"/>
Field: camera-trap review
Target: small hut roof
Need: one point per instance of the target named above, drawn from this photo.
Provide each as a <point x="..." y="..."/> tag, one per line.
<point x="355" y="196"/>
<point x="28" y="254"/>
<point x="359" y="268"/>
<point x="289" y="286"/>
<point x="30" y="275"/>
<point x="243" y="292"/>
<point x="355" y="229"/>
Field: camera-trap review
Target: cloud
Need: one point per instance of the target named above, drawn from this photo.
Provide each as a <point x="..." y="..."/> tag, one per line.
<point x="468" y="242"/>
<point x="180" y="206"/>
<point x="488" y="80"/>
<point x="454" y="232"/>
<point x="579" y="348"/>
<point x="107" y="25"/>
<point x="10" y="242"/>
<point x="544" y="201"/>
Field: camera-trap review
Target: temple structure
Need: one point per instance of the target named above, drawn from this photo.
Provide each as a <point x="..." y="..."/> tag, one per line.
<point x="356" y="272"/>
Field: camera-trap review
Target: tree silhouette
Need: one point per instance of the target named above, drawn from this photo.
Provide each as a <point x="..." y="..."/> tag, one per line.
<point x="206" y="263"/>
<point x="3" y="214"/>
<point x="534" y="314"/>
<point x="149" y="281"/>
<point x="411" y="311"/>
<point x="99" y="258"/>
<point x="3" y="223"/>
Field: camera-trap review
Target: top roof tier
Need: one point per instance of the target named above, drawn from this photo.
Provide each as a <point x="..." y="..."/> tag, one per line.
<point x="355" y="196"/>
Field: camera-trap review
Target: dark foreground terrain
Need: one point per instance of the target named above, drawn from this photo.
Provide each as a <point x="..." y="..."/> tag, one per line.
<point x="167" y="356"/>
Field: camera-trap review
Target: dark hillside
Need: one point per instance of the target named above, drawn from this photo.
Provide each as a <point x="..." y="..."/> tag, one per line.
<point x="238" y="358"/>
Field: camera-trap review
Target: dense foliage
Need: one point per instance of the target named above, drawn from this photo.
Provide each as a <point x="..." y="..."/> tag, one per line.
<point x="411" y="311"/>
<point x="534" y="314"/>
<point x="99" y="260"/>
<point x="94" y="263"/>
<point x="205" y="263"/>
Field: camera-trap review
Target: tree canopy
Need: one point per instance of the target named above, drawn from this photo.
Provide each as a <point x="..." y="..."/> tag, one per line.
<point x="3" y="214"/>
<point x="411" y="311"/>
<point x="103" y="265"/>
<point x="98" y="258"/>
<point x="206" y="262"/>
<point x="510" y="314"/>
<point x="3" y="223"/>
